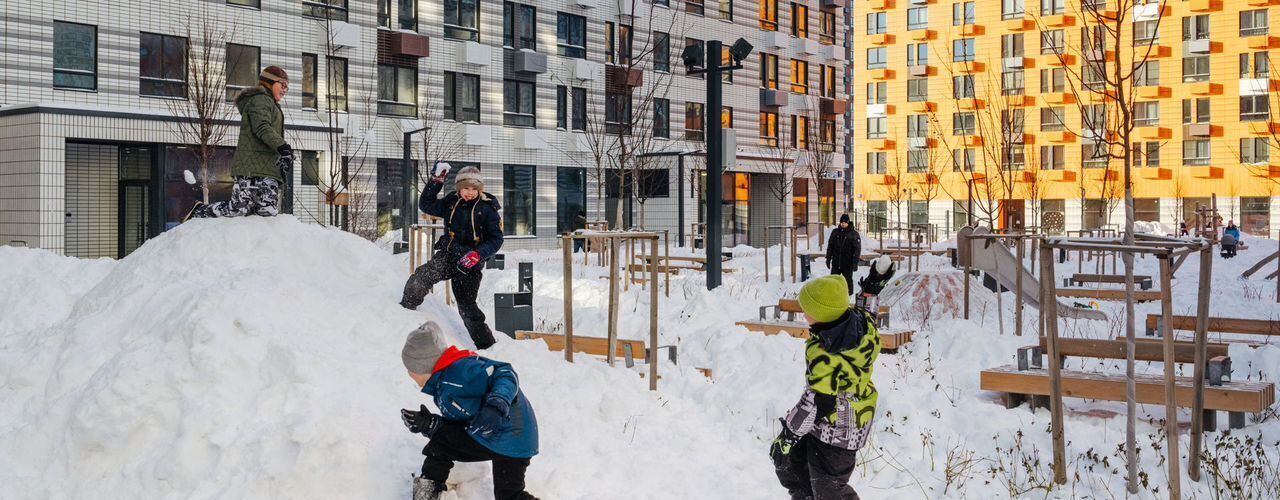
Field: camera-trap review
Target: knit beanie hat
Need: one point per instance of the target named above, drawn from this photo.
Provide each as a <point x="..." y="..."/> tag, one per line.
<point x="470" y="177"/>
<point x="844" y="218"/>
<point x="825" y="299"/>
<point x="273" y="74"/>
<point x="423" y="348"/>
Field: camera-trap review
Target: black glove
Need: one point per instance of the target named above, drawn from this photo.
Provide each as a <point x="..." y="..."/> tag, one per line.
<point x="492" y="414"/>
<point x="782" y="445"/>
<point x="420" y="422"/>
<point x="285" y="150"/>
<point x="878" y="277"/>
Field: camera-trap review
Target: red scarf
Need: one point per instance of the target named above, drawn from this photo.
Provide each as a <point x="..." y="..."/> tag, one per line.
<point x="450" y="356"/>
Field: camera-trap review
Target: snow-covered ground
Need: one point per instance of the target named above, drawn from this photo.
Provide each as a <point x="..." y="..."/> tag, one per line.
<point x="259" y="358"/>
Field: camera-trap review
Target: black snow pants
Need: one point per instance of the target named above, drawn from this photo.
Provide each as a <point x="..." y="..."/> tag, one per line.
<point x="848" y="276"/>
<point x="818" y="471"/>
<point x="466" y="286"/>
<point x="451" y="443"/>
<point x="249" y="196"/>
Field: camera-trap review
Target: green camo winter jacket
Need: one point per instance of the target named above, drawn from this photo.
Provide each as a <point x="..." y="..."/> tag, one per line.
<point x="261" y="134"/>
<point x="839" y="402"/>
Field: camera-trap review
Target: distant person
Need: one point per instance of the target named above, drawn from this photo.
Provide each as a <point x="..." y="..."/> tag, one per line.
<point x="1182" y="229"/>
<point x="1228" y="243"/>
<point x="844" y="248"/>
<point x="815" y="453"/>
<point x="263" y="160"/>
<point x="473" y="234"/>
<point x="579" y="223"/>
<point x="1233" y="230"/>
<point x="484" y="416"/>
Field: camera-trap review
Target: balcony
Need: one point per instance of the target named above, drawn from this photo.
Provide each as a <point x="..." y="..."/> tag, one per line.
<point x="1206" y="5"/>
<point x="1153" y="52"/>
<point x="1201" y="46"/>
<point x="1258" y="86"/>
<point x="1154" y="92"/>
<point x="1059" y="60"/>
<point x="972" y="30"/>
<point x="1059" y="137"/>
<point x="774" y="40"/>
<point x="921" y="71"/>
<point x="338" y="34"/>
<point x="584" y="70"/>
<point x="1206" y="88"/>
<point x="1263" y="42"/>
<point x="530" y="138"/>
<point x="970" y="67"/>
<point x="1059" y="175"/>
<point x="923" y="35"/>
<point x="1059" y="21"/>
<point x="1260" y="3"/>
<point x="409" y="44"/>
<point x="1263" y="128"/>
<point x="971" y="141"/>
<point x="921" y="142"/>
<point x="528" y="61"/>
<point x="882" y="39"/>
<point x="1206" y="172"/>
<point x="831" y="53"/>
<point x="830" y="106"/>
<point x="1024" y="177"/>
<point x="970" y="104"/>
<point x="1202" y="130"/>
<point x="805" y="46"/>
<point x="881" y="74"/>
<point x="1155" y="173"/>
<point x="477" y="135"/>
<point x="1155" y="133"/>
<point x="881" y="4"/>
<point x="475" y="53"/>
<point x="881" y="144"/>
<point x="773" y="98"/>
<point x="1059" y="98"/>
<point x="1019" y="25"/>
<point x="922" y="107"/>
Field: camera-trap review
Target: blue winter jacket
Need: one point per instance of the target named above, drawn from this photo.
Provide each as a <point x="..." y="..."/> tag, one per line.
<point x="1233" y="231"/>
<point x="460" y="390"/>
<point x="469" y="225"/>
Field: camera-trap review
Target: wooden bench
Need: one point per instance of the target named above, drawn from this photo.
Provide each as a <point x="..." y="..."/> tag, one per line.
<point x="1143" y="282"/>
<point x="1219" y="325"/>
<point x="628" y="350"/>
<point x="1235" y="397"/>
<point x="1107" y="294"/>
<point x="890" y="339"/>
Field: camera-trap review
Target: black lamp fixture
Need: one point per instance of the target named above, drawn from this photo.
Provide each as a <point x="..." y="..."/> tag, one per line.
<point x="740" y="50"/>
<point x="693" y="56"/>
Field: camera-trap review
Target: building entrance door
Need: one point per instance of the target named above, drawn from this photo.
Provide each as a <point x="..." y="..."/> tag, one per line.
<point x="134" y="215"/>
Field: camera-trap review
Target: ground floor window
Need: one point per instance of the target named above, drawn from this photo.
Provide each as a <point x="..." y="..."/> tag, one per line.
<point x="877" y="216"/>
<point x="391" y="195"/>
<point x="918" y="213"/>
<point x="571" y="198"/>
<point x="800" y="203"/>
<point x="519" y="215"/>
<point x="1189" y="211"/>
<point x="827" y="201"/>
<point x="1146" y="209"/>
<point x="1094" y="214"/>
<point x="1255" y="216"/>
<point x="959" y="214"/>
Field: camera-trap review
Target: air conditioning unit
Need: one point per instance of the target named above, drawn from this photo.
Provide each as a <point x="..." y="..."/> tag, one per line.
<point x="804" y="46"/>
<point x="774" y="40"/>
<point x="1197" y="46"/>
<point x="477" y="135"/>
<point x="1199" y="130"/>
<point x="772" y="98"/>
<point x="918" y="70"/>
<point x="528" y="61"/>
<point x="342" y="35"/>
<point x="475" y="53"/>
<point x="582" y="69"/>
<point x="530" y="138"/>
<point x="831" y="52"/>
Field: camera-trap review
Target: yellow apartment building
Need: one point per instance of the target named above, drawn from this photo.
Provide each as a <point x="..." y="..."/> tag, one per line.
<point x="988" y="104"/>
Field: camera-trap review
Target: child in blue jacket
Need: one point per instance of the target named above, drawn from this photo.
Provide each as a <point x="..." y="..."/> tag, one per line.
<point x="483" y="415"/>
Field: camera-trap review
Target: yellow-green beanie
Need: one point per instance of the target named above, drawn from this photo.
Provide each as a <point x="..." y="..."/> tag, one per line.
<point x="825" y="299"/>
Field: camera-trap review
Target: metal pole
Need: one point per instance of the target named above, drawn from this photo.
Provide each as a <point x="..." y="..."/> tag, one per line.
<point x="715" y="164"/>
<point x="653" y="316"/>
<point x="1017" y="308"/>
<point x="1170" y="396"/>
<point x="613" y="299"/>
<point x="408" y="210"/>
<point x="568" y="297"/>
<point x="680" y="194"/>
<point x="1202" y="327"/>
<point x="1050" y="306"/>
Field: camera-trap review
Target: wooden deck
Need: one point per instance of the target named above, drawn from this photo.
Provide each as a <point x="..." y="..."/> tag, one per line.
<point x="1235" y="396"/>
<point x="1107" y="294"/>
<point x="1219" y="325"/>
<point x="1143" y="282"/>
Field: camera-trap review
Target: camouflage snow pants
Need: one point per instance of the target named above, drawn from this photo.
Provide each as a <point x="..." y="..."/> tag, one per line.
<point x="249" y="196"/>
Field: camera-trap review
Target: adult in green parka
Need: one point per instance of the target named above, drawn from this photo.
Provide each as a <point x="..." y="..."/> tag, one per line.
<point x="262" y="159"/>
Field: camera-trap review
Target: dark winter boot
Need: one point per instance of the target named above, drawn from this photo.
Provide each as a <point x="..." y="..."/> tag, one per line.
<point x="195" y="211"/>
<point x="426" y="489"/>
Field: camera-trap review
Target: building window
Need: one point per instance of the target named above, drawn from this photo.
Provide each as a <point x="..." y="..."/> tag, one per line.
<point x="625" y="38"/>
<point x="1053" y="80"/>
<point x="800" y="75"/>
<point x="1011" y="9"/>
<point x="827" y="81"/>
<point x="963" y="124"/>
<point x="917" y="89"/>
<point x="408" y="15"/>
<point x="384" y="13"/>
<point x="1051" y="119"/>
<point x="768" y="70"/>
<point x="337" y="80"/>
<point x="1052" y="42"/>
<point x="243" y="64"/>
<point x="799" y="20"/>
<point x="1195" y="110"/>
<point x="917" y="126"/>
<point x="726" y="60"/>
<point x="310" y="69"/>
<point x="768" y="129"/>
<point x="917" y="54"/>
<point x="877" y="57"/>
<point x="397" y="90"/>
<point x="1261" y="67"/>
<point x="519" y="195"/>
<point x="579" y="95"/>
<point x="877" y="127"/>
<point x="1255" y="215"/>
<point x="1254" y="108"/>
<point x="799" y="131"/>
<point x="695" y="120"/>
<point x="571" y="35"/>
<point x="917" y="160"/>
<point x="519" y="26"/>
<point x="877" y="23"/>
<point x="1052" y="7"/>
<point x="1013" y="82"/>
<point x="335" y="10"/>
<point x="1012" y="45"/>
<point x="1253" y="22"/>
<point x="962" y="87"/>
<point x="571" y="197"/>
<point x="1147" y="74"/>
<point x="1094" y="155"/>
<point x="162" y="67"/>
<point x="1146" y="32"/>
<point x="1146" y="114"/>
<point x="75" y="56"/>
<point x="1052" y="157"/>
<point x="462" y="19"/>
<point x="769" y="15"/>
<point x="963" y="160"/>
<point x="562" y="107"/>
<point x="1195" y="69"/>
<point x="826" y="27"/>
<point x="1195" y="27"/>
<point x="661" y="52"/>
<point x="1195" y="152"/>
<point x="963" y="13"/>
<point x="610" y="43"/>
<point x="917" y="18"/>
<point x="827" y="134"/>
<point x="877" y="92"/>
<point x="518" y="103"/>
<point x="695" y="7"/>
<point x="617" y="113"/>
<point x="1146" y="154"/>
<point x="726" y="10"/>
<point x="876" y="163"/>
<point x="462" y="97"/>
<point x="962" y="50"/>
<point x="662" y="118"/>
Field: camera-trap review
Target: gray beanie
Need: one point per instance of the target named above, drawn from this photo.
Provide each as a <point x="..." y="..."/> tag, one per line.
<point x="423" y="348"/>
<point x="469" y="177"/>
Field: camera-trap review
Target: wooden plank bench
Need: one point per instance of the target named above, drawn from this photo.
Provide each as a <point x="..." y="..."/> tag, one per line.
<point x="1143" y="282"/>
<point x="628" y="350"/>
<point x="1235" y="397"/>
<point x="1107" y="294"/>
<point x="1183" y="352"/>
<point x="890" y="339"/>
<point x="1218" y="325"/>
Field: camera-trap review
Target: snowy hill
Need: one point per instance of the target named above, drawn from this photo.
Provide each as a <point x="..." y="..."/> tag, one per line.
<point x="259" y="358"/>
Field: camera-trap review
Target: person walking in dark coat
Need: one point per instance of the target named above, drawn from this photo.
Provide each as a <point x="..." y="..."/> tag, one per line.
<point x="484" y="416"/>
<point x="262" y="159"/>
<point x="579" y="223"/>
<point x="473" y="234"/>
<point x="844" y="247"/>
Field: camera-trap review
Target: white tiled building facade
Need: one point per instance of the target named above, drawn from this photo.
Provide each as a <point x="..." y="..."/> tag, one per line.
<point x="90" y="166"/>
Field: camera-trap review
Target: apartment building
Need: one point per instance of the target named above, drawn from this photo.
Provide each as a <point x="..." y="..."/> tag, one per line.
<point x="94" y="95"/>
<point x="1003" y="104"/>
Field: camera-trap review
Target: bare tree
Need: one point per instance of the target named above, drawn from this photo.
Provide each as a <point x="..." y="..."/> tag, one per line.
<point x="205" y="116"/>
<point x="819" y="155"/>
<point x="779" y="159"/>
<point x="893" y="187"/>
<point x="441" y="141"/>
<point x="592" y="135"/>
<point x="349" y="183"/>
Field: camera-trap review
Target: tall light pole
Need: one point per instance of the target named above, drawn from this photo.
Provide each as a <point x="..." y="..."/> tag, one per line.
<point x="712" y="66"/>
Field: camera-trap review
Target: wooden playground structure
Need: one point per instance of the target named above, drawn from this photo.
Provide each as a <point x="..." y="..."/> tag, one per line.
<point x="422" y="237"/>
